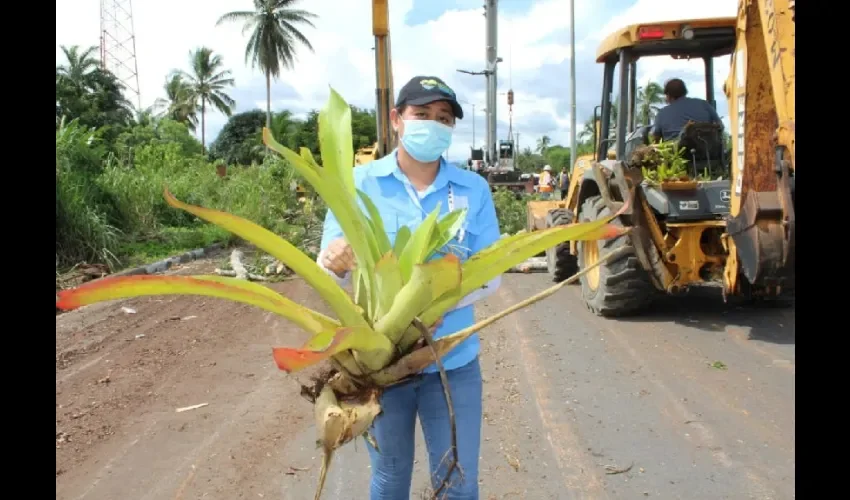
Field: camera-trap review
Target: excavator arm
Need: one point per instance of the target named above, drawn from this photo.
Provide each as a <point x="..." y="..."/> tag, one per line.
<point x="383" y="77"/>
<point x="761" y="94"/>
<point x="386" y="140"/>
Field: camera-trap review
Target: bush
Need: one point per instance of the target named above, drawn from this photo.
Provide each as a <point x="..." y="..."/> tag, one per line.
<point x="510" y="210"/>
<point x="112" y="210"/>
<point x="85" y="216"/>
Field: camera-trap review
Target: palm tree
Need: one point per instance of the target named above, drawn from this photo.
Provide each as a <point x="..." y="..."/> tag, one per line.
<point x="648" y="99"/>
<point x="206" y="83"/>
<point x="273" y="38"/>
<point x="543" y="144"/>
<point x="80" y="65"/>
<point x="588" y="131"/>
<point x="178" y="104"/>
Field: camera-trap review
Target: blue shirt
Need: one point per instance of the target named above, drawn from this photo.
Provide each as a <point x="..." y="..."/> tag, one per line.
<point x="671" y="119"/>
<point x="400" y="205"/>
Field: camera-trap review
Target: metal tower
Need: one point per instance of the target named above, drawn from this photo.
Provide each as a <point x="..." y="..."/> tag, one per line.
<point x="118" y="44"/>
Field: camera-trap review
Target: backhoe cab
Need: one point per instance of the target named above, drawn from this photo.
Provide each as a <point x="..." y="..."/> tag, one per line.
<point x="681" y="195"/>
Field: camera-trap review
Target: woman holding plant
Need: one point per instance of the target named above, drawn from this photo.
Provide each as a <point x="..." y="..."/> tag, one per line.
<point x="401" y="288"/>
<point x="406" y="186"/>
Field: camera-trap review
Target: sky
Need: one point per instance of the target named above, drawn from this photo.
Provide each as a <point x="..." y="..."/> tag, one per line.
<point x="429" y="37"/>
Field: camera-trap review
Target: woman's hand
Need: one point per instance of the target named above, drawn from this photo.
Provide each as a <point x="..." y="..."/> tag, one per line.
<point x="339" y="258"/>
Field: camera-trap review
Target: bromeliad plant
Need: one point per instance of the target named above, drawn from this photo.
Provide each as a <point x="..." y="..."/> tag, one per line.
<point x="401" y="288"/>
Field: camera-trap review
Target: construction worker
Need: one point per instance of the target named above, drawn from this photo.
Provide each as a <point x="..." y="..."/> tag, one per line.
<point x="564" y="182"/>
<point x="546" y="185"/>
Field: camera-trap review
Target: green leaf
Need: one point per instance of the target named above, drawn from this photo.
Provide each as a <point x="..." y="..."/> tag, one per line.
<point x="427" y="283"/>
<point x="335" y="141"/>
<point x="416" y="249"/>
<point x="388" y="281"/>
<point x="446" y="229"/>
<point x="382" y="241"/>
<point x="307" y="155"/>
<point x="508" y="252"/>
<point x="401" y="239"/>
<point x="361" y="291"/>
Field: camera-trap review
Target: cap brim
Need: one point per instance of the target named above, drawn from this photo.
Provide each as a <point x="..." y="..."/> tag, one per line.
<point x="421" y="101"/>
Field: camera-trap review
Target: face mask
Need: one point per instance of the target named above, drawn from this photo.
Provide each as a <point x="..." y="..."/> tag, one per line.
<point x="426" y="140"/>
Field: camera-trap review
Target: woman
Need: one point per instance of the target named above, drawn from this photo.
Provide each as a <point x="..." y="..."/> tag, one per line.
<point x="406" y="185"/>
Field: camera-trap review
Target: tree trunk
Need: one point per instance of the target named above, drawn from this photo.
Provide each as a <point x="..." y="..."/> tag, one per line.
<point x="203" y="125"/>
<point x="268" y="99"/>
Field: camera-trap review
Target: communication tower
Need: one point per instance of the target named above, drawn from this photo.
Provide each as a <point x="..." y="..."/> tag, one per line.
<point x="118" y="44"/>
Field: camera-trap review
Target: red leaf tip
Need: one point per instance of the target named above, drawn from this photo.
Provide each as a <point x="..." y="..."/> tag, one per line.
<point x="67" y="300"/>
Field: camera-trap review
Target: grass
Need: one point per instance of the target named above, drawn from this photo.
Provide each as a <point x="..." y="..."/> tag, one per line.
<point x="169" y="241"/>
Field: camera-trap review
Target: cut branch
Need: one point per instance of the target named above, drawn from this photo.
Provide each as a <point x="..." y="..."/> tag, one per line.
<point x="237" y="266"/>
<point x="232" y="274"/>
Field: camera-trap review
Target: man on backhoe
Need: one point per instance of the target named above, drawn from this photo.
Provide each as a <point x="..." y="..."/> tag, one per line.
<point x="680" y="109"/>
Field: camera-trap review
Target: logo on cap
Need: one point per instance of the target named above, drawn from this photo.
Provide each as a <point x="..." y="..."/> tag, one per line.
<point x="430" y="83"/>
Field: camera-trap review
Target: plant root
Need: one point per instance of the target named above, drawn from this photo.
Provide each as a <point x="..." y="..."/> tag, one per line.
<point x="444" y="380"/>
<point x="339" y="422"/>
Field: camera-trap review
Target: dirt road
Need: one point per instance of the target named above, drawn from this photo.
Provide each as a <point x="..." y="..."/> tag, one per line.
<point x="696" y="405"/>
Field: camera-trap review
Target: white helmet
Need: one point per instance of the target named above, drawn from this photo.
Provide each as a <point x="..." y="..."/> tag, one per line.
<point x="547" y="168"/>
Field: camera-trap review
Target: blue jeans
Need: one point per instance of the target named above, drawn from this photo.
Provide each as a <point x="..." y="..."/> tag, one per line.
<point x="393" y="430"/>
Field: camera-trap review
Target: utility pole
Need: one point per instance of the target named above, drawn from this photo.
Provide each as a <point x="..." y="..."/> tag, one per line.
<point x="492" y="14"/>
<point x="572" y="84"/>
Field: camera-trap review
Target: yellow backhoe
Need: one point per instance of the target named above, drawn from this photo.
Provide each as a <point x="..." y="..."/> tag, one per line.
<point x="729" y="217"/>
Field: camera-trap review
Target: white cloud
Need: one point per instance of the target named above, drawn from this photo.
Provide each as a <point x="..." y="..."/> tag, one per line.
<point x="167" y="30"/>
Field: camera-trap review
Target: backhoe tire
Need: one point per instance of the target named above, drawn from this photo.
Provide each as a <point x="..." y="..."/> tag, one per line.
<point x="560" y="262"/>
<point x="619" y="287"/>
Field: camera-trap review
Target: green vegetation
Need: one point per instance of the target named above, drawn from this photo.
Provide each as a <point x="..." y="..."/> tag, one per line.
<point x="113" y="161"/>
<point x="511" y="210"/>
<point x="661" y="162"/>
<point x="109" y="205"/>
<point x="112" y="164"/>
